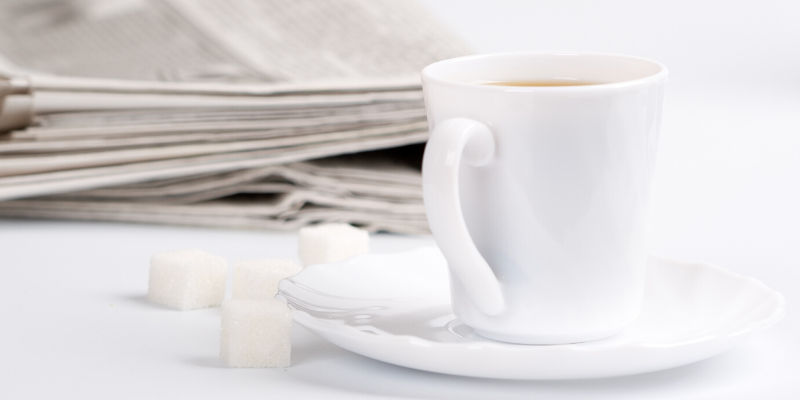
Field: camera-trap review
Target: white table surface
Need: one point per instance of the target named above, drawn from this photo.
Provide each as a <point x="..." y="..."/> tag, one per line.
<point x="76" y="323"/>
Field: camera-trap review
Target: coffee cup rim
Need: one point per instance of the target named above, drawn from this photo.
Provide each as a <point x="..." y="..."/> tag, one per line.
<point x="429" y="73"/>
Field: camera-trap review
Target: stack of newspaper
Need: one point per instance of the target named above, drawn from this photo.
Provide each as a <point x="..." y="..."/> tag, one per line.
<point x="256" y="113"/>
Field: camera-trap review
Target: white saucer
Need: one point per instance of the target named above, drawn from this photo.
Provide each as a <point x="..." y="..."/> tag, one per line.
<point x="396" y="308"/>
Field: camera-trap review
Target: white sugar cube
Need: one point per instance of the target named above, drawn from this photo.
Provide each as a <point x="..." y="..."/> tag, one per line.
<point x="187" y="279"/>
<point x="258" y="279"/>
<point x="331" y="242"/>
<point x="255" y="333"/>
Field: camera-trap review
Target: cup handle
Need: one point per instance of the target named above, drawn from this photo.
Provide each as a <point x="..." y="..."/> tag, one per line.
<point x="449" y="141"/>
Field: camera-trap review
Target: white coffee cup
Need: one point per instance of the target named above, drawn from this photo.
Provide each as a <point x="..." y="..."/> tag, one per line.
<point x="538" y="196"/>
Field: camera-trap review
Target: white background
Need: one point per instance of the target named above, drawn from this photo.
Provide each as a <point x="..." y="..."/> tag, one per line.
<point x="75" y="322"/>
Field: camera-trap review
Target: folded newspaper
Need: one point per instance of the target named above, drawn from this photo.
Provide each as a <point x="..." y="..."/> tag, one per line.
<point x="266" y="114"/>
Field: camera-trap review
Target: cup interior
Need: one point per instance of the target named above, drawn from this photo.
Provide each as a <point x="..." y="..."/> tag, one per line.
<point x="596" y="68"/>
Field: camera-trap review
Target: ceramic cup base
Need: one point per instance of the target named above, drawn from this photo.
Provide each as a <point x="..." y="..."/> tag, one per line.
<point x="549" y="339"/>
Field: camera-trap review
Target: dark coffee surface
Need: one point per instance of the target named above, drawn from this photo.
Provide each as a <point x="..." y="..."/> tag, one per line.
<point x="552" y="82"/>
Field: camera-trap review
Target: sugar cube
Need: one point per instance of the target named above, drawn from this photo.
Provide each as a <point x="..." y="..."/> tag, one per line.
<point x="331" y="242"/>
<point x="255" y="333"/>
<point x="258" y="279"/>
<point x="187" y="279"/>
